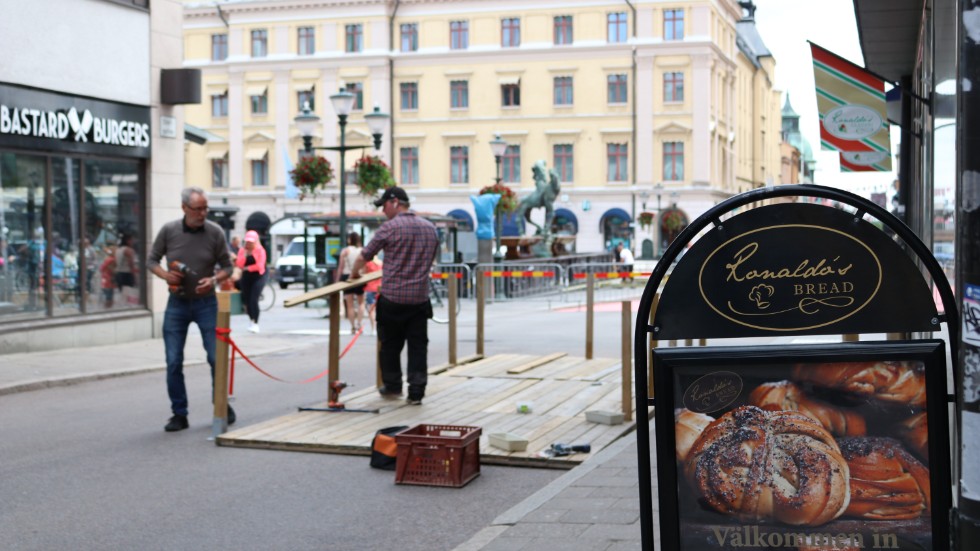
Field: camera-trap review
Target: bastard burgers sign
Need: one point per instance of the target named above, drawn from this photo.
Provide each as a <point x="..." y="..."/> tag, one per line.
<point x="793" y="269"/>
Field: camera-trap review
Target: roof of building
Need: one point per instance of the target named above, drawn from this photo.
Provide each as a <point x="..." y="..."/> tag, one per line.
<point x="749" y="41"/>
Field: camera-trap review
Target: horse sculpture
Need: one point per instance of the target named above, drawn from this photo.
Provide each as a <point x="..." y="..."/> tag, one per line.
<point x="546" y="190"/>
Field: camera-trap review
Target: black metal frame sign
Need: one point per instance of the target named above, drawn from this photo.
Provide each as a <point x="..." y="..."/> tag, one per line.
<point x="839" y="265"/>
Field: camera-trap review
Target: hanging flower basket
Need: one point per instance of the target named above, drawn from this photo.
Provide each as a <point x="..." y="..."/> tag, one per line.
<point x="673" y="220"/>
<point x="311" y="174"/>
<point x="645" y="219"/>
<point x="373" y="175"/>
<point x="508" y="199"/>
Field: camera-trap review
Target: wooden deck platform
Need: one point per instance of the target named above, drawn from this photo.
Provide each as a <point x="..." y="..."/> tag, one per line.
<point x="483" y="393"/>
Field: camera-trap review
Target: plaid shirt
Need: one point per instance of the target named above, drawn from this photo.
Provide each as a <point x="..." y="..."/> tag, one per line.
<point x="410" y="244"/>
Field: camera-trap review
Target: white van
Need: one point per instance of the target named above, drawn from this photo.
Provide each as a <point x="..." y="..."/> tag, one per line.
<point x="289" y="267"/>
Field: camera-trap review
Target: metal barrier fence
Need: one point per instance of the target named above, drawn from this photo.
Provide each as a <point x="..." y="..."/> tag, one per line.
<point x="612" y="282"/>
<point x="465" y="287"/>
<point x="522" y="280"/>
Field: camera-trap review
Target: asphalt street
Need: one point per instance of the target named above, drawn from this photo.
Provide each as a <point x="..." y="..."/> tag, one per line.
<point x="88" y="466"/>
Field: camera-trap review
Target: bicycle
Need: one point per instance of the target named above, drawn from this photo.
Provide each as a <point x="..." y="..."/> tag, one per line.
<point x="439" y="299"/>
<point x="267" y="297"/>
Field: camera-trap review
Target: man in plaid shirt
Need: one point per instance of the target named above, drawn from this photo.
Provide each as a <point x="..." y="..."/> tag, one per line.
<point x="410" y="244"/>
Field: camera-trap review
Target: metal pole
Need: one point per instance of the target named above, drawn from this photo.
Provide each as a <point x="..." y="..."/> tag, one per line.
<point x="343" y="182"/>
<point x="499" y="218"/>
<point x="966" y="530"/>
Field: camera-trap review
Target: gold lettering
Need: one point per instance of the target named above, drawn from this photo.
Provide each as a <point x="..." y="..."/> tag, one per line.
<point x="797" y="289"/>
<point x="804" y="270"/>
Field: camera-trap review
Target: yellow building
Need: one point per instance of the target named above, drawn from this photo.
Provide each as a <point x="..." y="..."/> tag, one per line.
<point x="638" y="105"/>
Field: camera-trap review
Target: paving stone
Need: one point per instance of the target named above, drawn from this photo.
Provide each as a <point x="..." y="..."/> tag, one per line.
<point x="504" y="543"/>
<point x="579" y="503"/>
<point x="623" y="492"/>
<point x="613" y="532"/>
<point x="631" y="545"/>
<point x="545" y="515"/>
<point x="608" y="481"/>
<point x="601" y="516"/>
<point x="628" y="504"/>
<point x="569" y="544"/>
<point x="546" y="530"/>
<point x="578" y="491"/>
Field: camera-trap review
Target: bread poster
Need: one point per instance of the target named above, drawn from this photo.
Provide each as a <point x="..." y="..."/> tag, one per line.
<point x="805" y="456"/>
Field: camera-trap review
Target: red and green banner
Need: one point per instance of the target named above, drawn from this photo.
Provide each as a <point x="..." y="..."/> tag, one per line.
<point x="853" y="118"/>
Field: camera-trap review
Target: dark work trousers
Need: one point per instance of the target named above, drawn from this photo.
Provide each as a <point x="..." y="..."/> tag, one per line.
<point x="252" y="284"/>
<point x="398" y="323"/>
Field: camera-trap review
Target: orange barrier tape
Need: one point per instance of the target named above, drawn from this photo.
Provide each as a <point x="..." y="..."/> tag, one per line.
<point x="613" y="275"/>
<point x="446" y="275"/>
<point x="505" y="273"/>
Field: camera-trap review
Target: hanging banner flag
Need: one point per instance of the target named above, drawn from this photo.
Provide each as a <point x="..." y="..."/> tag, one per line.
<point x="865" y="161"/>
<point x="851" y="102"/>
<point x="292" y="192"/>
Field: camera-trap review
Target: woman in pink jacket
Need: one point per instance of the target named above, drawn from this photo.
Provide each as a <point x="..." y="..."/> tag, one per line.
<point x="251" y="259"/>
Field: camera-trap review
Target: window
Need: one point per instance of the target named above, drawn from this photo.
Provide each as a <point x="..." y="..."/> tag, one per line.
<point x="219" y="172"/>
<point x="260" y="172"/>
<point x="356" y="88"/>
<point x="510" y="32"/>
<point x="355" y="38"/>
<point x="673" y="24"/>
<point x="306" y="97"/>
<point x="673" y="86"/>
<point x="564" y="162"/>
<point x="616" y="88"/>
<point x="563" y="29"/>
<point x="410" y="37"/>
<point x="219" y="105"/>
<point x="618" y="155"/>
<point x="410" y="95"/>
<point x="260" y="42"/>
<point x="459" y="164"/>
<point x="674" y="161"/>
<point x="219" y="47"/>
<point x="410" y="165"/>
<point x="510" y="95"/>
<point x="307" y="41"/>
<point x="616" y="27"/>
<point x="563" y="90"/>
<point x="459" y="94"/>
<point x="260" y="104"/>
<point x="510" y="164"/>
<point x="459" y="35"/>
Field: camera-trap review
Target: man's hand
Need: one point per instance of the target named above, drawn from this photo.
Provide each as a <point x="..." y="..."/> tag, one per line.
<point x="205" y="285"/>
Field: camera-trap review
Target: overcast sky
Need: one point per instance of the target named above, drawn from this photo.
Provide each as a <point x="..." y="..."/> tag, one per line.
<point x="785" y="27"/>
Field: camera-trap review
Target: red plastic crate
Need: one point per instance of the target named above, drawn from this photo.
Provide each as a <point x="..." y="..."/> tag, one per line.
<point x="438" y="455"/>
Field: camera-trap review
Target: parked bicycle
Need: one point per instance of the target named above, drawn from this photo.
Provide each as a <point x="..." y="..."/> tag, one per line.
<point x="267" y="297"/>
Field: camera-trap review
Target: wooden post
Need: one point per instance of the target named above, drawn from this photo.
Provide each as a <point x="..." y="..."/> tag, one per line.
<point x="219" y="424"/>
<point x="481" y="302"/>
<point x="333" y="349"/>
<point x="627" y="361"/>
<point x="452" y="318"/>
<point x="589" y="306"/>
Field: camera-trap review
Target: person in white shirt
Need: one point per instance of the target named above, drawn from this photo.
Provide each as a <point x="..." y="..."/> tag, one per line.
<point x="626" y="259"/>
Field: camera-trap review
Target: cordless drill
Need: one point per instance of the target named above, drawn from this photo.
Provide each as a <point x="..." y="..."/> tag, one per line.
<point x="180" y="268"/>
<point x="333" y="396"/>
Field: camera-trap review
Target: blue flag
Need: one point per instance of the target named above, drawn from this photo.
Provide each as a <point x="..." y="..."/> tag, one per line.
<point x="292" y="192"/>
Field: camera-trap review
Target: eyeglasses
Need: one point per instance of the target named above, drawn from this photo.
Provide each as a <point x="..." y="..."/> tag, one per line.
<point x="197" y="209"/>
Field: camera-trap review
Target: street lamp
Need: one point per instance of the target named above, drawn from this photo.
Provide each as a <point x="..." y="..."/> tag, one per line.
<point x="343" y="102"/>
<point x="498" y="146"/>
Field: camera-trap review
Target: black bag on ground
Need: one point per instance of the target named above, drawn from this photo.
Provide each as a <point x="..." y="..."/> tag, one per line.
<point x="384" y="449"/>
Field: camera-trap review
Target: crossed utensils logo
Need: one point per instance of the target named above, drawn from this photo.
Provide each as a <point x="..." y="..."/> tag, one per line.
<point x="80" y="126"/>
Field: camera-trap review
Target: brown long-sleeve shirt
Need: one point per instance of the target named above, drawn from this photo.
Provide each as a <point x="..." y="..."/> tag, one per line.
<point x="200" y="249"/>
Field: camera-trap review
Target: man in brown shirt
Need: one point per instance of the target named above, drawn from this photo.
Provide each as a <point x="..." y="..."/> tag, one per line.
<point x="198" y="245"/>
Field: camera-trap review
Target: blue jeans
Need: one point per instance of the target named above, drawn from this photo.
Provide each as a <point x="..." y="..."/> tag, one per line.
<point x="180" y="313"/>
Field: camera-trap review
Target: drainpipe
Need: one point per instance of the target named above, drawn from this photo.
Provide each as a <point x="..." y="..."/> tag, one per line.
<point x="635" y="154"/>
<point x="221" y="14"/>
<point x="391" y="82"/>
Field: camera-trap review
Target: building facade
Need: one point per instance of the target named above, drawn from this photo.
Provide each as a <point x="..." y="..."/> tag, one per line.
<point x="639" y="106"/>
<point x="90" y="158"/>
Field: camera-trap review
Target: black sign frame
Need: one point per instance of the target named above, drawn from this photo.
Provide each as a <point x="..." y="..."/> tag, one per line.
<point x="715" y="218"/>
<point x="768" y="362"/>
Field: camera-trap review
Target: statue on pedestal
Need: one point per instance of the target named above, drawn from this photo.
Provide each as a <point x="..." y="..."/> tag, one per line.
<point x="546" y="190"/>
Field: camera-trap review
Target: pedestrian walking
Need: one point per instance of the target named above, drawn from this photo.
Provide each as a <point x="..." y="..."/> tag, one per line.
<point x="251" y="260"/>
<point x="193" y="247"/>
<point x="410" y="244"/>
<point x="353" y="298"/>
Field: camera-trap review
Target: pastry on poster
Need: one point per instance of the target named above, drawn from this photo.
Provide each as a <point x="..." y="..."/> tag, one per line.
<point x="788" y="396"/>
<point x="760" y="465"/>
<point x="887" y="482"/>
<point x="688" y="426"/>
<point x="893" y="382"/>
<point x="914" y="431"/>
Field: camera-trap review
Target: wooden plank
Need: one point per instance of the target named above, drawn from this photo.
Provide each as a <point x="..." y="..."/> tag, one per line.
<point x="536" y="363"/>
<point x="332" y="289"/>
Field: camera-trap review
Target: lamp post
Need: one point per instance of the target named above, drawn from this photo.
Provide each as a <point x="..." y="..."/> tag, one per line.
<point x="498" y="146"/>
<point x="342" y="103"/>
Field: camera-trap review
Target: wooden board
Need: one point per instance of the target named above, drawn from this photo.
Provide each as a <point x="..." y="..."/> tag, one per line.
<point x="477" y="394"/>
<point x="536" y="363"/>
<point x="332" y="289"/>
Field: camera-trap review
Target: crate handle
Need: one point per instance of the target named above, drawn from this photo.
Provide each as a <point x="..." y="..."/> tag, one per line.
<point x="426" y="447"/>
<point x="453" y="433"/>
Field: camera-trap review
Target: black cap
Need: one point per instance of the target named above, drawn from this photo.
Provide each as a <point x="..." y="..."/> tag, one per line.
<point x="391" y="193"/>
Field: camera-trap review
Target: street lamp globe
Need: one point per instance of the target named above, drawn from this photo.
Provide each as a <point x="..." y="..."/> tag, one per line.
<point x="306" y="123"/>
<point x="376" y="121"/>
<point x="498" y="145"/>
<point x="343" y="102"/>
